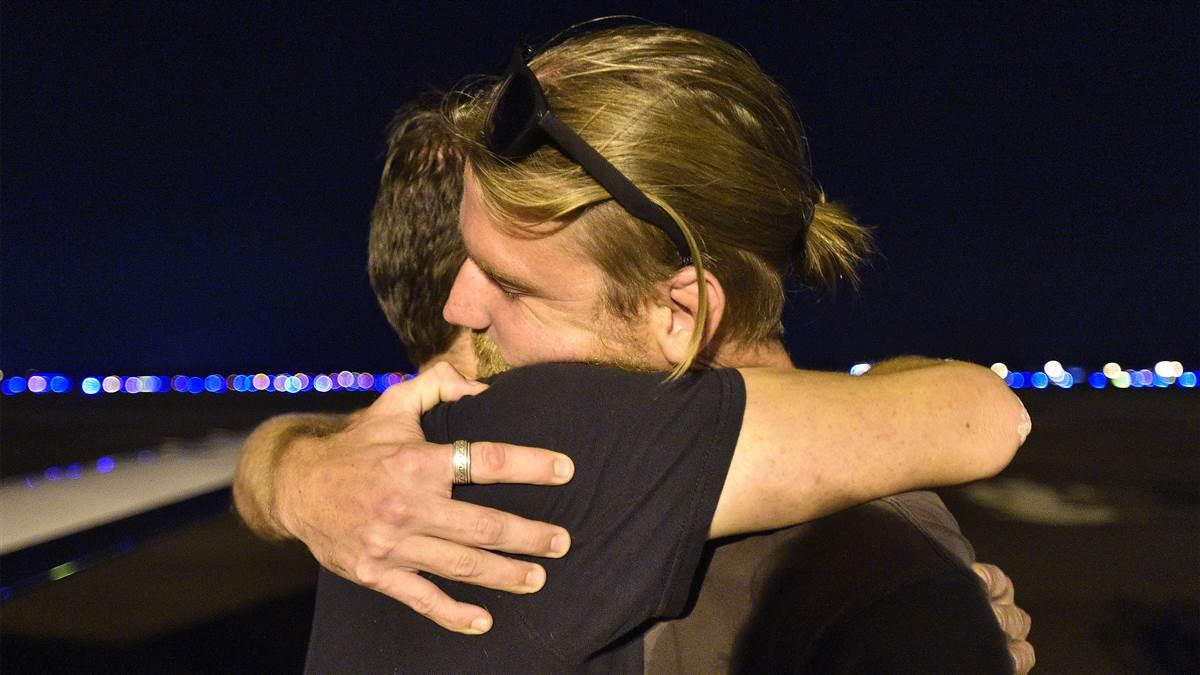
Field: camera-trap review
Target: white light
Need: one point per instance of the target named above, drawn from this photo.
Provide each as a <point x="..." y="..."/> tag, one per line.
<point x="1111" y="370"/>
<point x="1053" y="370"/>
<point x="1000" y="369"/>
<point x="1164" y="369"/>
<point x="111" y="384"/>
<point x="859" y="369"/>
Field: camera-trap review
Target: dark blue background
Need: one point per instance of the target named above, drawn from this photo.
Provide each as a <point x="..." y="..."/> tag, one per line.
<point x="186" y="187"/>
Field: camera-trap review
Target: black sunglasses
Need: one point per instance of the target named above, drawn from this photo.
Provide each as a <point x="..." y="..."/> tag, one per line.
<point x="521" y="121"/>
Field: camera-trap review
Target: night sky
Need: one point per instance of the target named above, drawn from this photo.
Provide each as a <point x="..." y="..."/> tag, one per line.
<point x="186" y="186"/>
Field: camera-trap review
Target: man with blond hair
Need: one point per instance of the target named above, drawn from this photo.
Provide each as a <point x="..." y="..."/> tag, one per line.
<point x="517" y="280"/>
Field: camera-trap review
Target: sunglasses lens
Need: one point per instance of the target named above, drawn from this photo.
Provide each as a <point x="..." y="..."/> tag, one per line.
<point x="513" y="119"/>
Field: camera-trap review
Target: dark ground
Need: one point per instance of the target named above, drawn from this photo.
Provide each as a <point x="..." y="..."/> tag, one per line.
<point x="1096" y="520"/>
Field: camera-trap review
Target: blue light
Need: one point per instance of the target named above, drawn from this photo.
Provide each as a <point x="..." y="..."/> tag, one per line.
<point x="133" y="385"/>
<point x="1039" y="380"/>
<point x="53" y="473"/>
<point x="214" y="384"/>
<point x="74" y="472"/>
<point x="195" y="385"/>
<point x="1015" y="379"/>
<point x="1160" y="381"/>
<point x="1187" y="380"/>
<point x="1097" y="380"/>
<point x="15" y="385"/>
<point x="1066" y="381"/>
<point x="322" y="383"/>
<point x="179" y="383"/>
<point x="106" y="464"/>
<point x="239" y="383"/>
<point x="59" y="384"/>
<point x="291" y="384"/>
<point x="1077" y="374"/>
<point x="90" y="385"/>
<point x="152" y="384"/>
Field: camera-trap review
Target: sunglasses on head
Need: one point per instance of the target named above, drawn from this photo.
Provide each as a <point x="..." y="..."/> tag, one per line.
<point x="521" y="121"/>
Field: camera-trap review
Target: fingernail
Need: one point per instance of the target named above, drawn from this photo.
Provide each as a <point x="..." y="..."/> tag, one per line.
<point x="560" y="543"/>
<point x="482" y="625"/>
<point x="535" y="579"/>
<point x="1025" y="425"/>
<point x="563" y="468"/>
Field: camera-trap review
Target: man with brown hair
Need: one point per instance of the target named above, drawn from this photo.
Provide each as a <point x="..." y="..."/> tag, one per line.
<point x="492" y="272"/>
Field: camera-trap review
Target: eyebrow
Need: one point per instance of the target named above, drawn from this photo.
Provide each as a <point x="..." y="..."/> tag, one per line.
<point x="500" y="277"/>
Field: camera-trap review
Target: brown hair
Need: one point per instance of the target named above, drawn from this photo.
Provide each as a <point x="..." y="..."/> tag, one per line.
<point x="695" y="123"/>
<point x="415" y="248"/>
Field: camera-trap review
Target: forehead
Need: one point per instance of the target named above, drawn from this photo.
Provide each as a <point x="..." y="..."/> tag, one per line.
<point x="539" y="263"/>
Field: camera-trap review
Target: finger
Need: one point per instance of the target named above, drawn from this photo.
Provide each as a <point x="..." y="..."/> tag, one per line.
<point x="1000" y="587"/>
<point x="1023" y="656"/>
<point x="474" y="566"/>
<point x="481" y="527"/>
<point x="507" y="463"/>
<point x="425" y="598"/>
<point x="1013" y="620"/>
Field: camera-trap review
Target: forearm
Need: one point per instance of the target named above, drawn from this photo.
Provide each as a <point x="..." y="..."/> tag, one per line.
<point x="814" y="443"/>
<point x="254" y="481"/>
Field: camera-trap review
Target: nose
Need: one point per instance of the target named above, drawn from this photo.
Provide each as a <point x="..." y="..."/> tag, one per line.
<point x="464" y="307"/>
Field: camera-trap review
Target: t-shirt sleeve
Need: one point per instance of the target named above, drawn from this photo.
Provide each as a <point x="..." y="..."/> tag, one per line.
<point x="650" y="461"/>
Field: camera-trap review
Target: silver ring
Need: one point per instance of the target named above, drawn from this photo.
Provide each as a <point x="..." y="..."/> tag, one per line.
<point x="462" y="462"/>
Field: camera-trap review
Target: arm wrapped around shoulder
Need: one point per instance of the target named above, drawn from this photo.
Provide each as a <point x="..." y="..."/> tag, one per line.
<point x="814" y="443"/>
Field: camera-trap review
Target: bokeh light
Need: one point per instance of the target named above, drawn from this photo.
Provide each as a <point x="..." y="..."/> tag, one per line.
<point x="90" y="386"/>
<point x="1111" y="370"/>
<point x="106" y="464"/>
<point x="59" y="384"/>
<point x="1039" y="380"/>
<point x="111" y="384"/>
<point x="859" y="368"/>
<point x="1053" y="370"/>
<point x="37" y="384"/>
<point x="1098" y="380"/>
<point x="322" y="383"/>
<point x="1000" y="369"/>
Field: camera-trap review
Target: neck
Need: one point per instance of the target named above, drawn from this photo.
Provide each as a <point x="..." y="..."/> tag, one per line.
<point x="770" y="354"/>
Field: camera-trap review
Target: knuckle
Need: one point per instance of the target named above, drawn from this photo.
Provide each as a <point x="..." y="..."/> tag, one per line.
<point x="489" y="528"/>
<point x="493" y="456"/>
<point x="423" y="603"/>
<point x="465" y="566"/>
<point x="398" y="511"/>
<point x="366" y="573"/>
<point x="376" y="544"/>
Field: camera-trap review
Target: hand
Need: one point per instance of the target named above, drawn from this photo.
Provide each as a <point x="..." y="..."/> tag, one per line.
<point x="373" y="504"/>
<point x="1013" y="620"/>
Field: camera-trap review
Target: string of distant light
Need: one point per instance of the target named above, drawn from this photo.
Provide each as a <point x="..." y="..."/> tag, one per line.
<point x="1052" y="374"/>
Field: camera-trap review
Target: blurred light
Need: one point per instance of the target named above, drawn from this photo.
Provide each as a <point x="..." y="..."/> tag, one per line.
<point x="261" y="382"/>
<point x="1147" y="377"/>
<point x="394" y="378"/>
<point x="1053" y="370"/>
<point x="305" y="381"/>
<point x="366" y="381"/>
<point x="59" y="384"/>
<point x="1000" y="369"/>
<point x="74" y="472"/>
<point x="214" y="384"/>
<point x="152" y="384"/>
<point x="111" y="384"/>
<point x="1111" y="370"/>
<point x="291" y="384"/>
<point x="230" y="380"/>
<point x="1122" y="380"/>
<point x="195" y="385"/>
<point x="106" y="464"/>
<point x="1160" y="381"/>
<point x="15" y="385"/>
<point x="238" y="383"/>
<point x="37" y="384"/>
<point x="1066" y="381"/>
<point x="179" y="383"/>
<point x="1078" y="374"/>
<point x="345" y="379"/>
<point x="1187" y="380"/>
<point x="1" y="374"/>
<point x="1015" y="379"/>
<point x="133" y="385"/>
<point x="62" y="571"/>
<point x="1097" y="380"/>
<point x="859" y="368"/>
<point x="322" y="383"/>
<point x="90" y="385"/>
<point x="1039" y="380"/>
<point x="53" y="473"/>
<point x="280" y="382"/>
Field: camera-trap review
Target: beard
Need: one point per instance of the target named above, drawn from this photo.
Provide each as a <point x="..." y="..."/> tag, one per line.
<point x="487" y="354"/>
<point x="617" y="347"/>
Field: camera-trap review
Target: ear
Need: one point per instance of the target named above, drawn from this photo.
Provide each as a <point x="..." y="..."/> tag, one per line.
<point x="676" y="321"/>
